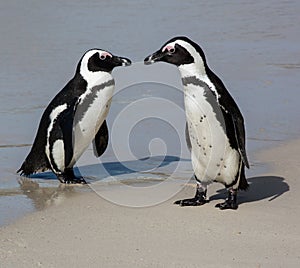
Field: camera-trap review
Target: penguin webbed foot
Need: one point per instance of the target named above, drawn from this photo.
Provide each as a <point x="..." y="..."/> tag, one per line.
<point x="230" y="202"/>
<point x="72" y="180"/>
<point x="227" y="205"/>
<point x="68" y="177"/>
<point x="198" y="200"/>
<point x="79" y="180"/>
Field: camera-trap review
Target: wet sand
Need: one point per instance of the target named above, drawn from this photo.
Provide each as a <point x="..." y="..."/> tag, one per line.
<point x="86" y="230"/>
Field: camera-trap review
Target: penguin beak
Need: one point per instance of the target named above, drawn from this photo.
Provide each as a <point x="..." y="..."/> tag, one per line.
<point x="120" y="61"/>
<point x="156" y="56"/>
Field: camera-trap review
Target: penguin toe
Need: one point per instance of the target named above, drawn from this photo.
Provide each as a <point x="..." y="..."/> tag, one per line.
<point x="79" y="180"/>
<point x="227" y="205"/>
<point x="74" y="180"/>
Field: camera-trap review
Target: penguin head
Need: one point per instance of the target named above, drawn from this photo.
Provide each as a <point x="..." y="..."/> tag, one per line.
<point x="179" y="51"/>
<point x="98" y="60"/>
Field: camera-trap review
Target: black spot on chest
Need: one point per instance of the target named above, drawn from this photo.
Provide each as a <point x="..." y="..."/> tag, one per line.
<point x="222" y="116"/>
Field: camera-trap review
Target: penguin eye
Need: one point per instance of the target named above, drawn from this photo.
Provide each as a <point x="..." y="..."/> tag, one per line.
<point x="102" y="57"/>
<point x="172" y="50"/>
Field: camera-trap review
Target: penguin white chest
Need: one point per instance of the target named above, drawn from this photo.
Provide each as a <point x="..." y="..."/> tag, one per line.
<point x="91" y="112"/>
<point x="213" y="159"/>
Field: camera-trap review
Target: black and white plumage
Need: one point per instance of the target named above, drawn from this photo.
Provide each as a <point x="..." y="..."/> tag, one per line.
<point x="215" y="129"/>
<point x="75" y="117"/>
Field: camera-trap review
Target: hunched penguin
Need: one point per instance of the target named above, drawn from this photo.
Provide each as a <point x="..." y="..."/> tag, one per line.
<point x="75" y="117"/>
<point x="215" y="131"/>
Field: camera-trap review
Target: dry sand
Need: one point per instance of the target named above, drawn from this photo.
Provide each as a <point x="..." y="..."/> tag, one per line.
<point x="87" y="231"/>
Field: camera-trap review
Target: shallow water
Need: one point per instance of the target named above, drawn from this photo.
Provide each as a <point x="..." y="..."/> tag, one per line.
<point x="253" y="46"/>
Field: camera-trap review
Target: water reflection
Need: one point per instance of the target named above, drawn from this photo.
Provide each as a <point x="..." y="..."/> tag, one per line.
<point x="43" y="197"/>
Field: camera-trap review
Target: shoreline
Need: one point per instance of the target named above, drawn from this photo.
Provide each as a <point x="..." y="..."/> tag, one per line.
<point x="87" y="229"/>
<point x="46" y="185"/>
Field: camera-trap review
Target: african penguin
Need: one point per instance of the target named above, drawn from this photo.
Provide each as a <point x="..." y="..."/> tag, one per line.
<point x="75" y="117"/>
<point x="215" y="131"/>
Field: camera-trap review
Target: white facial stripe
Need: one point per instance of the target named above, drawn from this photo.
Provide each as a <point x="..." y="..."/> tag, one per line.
<point x="94" y="78"/>
<point x="195" y="69"/>
<point x="191" y="50"/>
<point x="191" y="69"/>
<point x="90" y="53"/>
<point x="198" y="60"/>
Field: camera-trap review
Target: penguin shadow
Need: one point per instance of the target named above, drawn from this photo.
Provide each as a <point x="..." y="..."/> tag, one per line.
<point x="101" y="171"/>
<point x="149" y="165"/>
<point x="262" y="187"/>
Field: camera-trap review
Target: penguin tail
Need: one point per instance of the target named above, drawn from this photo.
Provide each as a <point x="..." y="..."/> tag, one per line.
<point x="26" y="169"/>
<point x="243" y="183"/>
<point x="32" y="164"/>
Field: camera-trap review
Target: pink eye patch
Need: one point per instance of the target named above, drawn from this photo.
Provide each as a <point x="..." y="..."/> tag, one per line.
<point x="168" y="47"/>
<point x="105" y="54"/>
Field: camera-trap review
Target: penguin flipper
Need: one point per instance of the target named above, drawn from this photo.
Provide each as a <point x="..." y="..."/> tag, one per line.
<point x="239" y="130"/>
<point x="236" y="116"/>
<point x="66" y="126"/>
<point x="100" y="141"/>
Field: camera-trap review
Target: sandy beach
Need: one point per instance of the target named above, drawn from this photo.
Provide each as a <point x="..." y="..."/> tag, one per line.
<point x="252" y="45"/>
<point x="88" y="231"/>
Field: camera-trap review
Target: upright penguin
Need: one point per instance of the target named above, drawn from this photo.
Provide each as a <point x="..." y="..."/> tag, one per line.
<point x="215" y="131"/>
<point x="75" y="117"/>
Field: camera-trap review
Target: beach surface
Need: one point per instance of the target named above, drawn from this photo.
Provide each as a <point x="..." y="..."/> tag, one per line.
<point x="86" y="230"/>
<point x="252" y="45"/>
